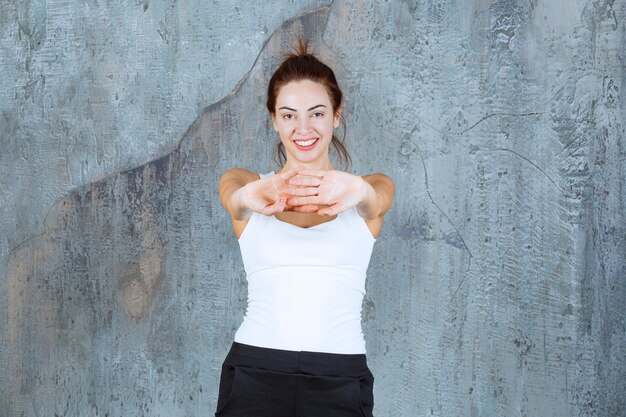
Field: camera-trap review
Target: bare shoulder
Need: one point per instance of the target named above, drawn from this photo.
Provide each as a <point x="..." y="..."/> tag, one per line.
<point x="376" y="177"/>
<point x="241" y="175"/>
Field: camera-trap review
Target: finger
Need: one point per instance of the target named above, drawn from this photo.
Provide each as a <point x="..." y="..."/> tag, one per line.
<point x="300" y="180"/>
<point x="301" y="192"/>
<point x="303" y="201"/>
<point x="314" y="172"/>
<point x="291" y="173"/>
<point x="310" y="208"/>
<point x="278" y="206"/>
<point x="332" y="210"/>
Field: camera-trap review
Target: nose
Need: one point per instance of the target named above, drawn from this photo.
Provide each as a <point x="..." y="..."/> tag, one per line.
<point x="303" y="125"/>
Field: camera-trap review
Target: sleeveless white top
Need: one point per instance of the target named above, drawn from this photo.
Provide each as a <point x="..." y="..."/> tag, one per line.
<point x="305" y="285"/>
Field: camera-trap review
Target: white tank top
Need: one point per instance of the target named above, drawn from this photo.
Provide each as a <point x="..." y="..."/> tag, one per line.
<point x="305" y="285"/>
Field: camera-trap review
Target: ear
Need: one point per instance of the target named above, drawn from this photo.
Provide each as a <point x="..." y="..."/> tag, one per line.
<point x="337" y="119"/>
<point x="274" y="121"/>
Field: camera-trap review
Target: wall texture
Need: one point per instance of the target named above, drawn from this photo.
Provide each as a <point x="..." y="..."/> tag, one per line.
<point x="497" y="287"/>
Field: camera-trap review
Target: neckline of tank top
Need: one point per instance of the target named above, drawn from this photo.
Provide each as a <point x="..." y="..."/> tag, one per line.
<point x="305" y="229"/>
<point x="310" y="227"/>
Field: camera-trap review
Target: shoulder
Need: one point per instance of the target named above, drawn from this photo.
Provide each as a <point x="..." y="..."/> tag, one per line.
<point x="240" y="175"/>
<point x="377" y="176"/>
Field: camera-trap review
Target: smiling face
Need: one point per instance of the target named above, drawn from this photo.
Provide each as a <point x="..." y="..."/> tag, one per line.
<point x="305" y="119"/>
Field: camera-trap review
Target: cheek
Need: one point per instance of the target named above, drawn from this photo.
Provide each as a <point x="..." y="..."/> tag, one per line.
<point x="281" y="126"/>
<point x="328" y="127"/>
<point x="285" y="132"/>
<point x="323" y="124"/>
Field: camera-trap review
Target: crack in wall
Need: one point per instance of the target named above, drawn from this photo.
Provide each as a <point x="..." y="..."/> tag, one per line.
<point x="232" y="93"/>
<point x="490" y="115"/>
<point x="439" y="208"/>
<point x="43" y="233"/>
<point x="471" y="256"/>
<point x="461" y="132"/>
<point x="527" y="160"/>
<point x="469" y="265"/>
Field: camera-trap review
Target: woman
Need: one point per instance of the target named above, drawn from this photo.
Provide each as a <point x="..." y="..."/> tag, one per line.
<point x="306" y="235"/>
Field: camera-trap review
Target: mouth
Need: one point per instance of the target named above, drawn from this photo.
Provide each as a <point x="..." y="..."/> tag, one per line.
<point x="306" y="144"/>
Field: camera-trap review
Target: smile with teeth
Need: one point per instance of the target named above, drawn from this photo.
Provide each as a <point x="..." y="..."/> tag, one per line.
<point x="305" y="142"/>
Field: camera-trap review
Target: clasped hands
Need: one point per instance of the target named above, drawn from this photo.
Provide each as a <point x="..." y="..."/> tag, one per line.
<point x="326" y="192"/>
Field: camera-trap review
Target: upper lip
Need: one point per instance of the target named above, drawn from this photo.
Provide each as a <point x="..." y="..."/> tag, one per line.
<point x="312" y="138"/>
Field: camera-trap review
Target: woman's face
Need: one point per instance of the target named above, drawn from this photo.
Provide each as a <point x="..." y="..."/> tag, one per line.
<point x="304" y="119"/>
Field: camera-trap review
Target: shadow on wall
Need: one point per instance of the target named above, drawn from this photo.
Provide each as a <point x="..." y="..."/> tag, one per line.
<point x="137" y="278"/>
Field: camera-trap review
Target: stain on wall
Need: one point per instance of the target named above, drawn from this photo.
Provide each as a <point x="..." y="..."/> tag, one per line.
<point x="496" y="288"/>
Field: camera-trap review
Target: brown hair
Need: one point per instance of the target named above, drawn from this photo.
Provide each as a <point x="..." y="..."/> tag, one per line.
<point x="303" y="65"/>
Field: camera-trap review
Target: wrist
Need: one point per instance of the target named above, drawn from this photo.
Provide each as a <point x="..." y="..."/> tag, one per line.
<point x="365" y="191"/>
<point x="240" y="204"/>
<point x="369" y="205"/>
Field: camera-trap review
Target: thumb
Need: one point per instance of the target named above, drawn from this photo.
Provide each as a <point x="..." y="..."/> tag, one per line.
<point x="277" y="207"/>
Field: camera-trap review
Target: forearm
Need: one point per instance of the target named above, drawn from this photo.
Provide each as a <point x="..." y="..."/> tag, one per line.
<point x="231" y="191"/>
<point x="371" y="203"/>
<point x="378" y="192"/>
<point x="237" y="206"/>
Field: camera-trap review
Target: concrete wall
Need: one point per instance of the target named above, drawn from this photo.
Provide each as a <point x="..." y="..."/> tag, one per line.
<point x="497" y="287"/>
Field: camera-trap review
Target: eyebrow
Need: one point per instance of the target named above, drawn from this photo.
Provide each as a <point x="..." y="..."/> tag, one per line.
<point x="312" y="108"/>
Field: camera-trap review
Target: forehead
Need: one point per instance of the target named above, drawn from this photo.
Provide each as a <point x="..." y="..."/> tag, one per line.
<point x="304" y="93"/>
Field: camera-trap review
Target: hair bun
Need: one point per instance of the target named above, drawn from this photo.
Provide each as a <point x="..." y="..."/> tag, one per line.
<point x="300" y="50"/>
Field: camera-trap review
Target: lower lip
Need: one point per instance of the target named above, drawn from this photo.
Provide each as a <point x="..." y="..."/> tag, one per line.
<point x="306" y="148"/>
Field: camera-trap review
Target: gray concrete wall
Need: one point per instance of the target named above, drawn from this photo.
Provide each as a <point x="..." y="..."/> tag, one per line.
<point x="497" y="287"/>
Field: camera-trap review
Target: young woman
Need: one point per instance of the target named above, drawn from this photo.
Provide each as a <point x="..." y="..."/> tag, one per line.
<point x="306" y="234"/>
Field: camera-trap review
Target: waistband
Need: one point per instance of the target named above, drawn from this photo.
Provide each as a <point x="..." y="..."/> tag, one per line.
<point x="292" y="362"/>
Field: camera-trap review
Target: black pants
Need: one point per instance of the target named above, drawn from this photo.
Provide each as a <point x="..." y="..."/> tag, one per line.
<point x="260" y="382"/>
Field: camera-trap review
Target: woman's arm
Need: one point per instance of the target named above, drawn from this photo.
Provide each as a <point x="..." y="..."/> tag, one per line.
<point x="242" y="192"/>
<point x="231" y="190"/>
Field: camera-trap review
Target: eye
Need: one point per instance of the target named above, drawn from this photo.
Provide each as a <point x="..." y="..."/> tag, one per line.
<point x="288" y="116"/>
<point x="318" y="114"/>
